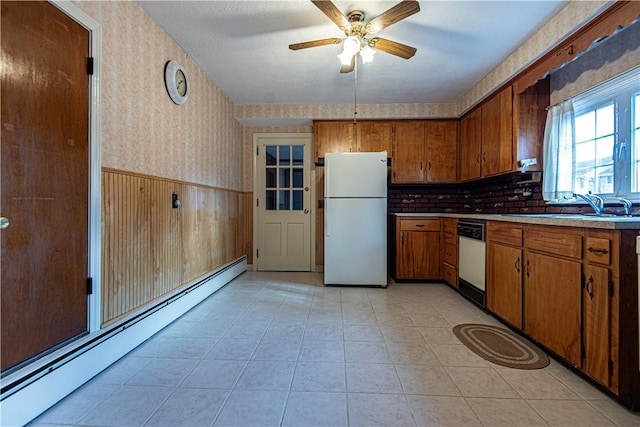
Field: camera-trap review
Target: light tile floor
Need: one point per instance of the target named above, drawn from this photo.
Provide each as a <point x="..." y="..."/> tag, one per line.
<point x="281" y="349"/>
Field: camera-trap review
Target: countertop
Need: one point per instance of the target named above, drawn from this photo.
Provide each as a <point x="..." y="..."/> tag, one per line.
<point x="565" y="220"/>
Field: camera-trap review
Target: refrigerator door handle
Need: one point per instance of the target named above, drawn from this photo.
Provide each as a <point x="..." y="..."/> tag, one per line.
<point x="326" y="219"/>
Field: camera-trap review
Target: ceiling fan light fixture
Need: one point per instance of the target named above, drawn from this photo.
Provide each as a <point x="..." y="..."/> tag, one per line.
<point x="345" y="58"/>
<point x="351" y="45"/>
<point x="367" y="54"/>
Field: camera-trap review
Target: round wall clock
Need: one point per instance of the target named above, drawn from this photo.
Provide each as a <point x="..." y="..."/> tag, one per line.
<point x="175" y="79"/>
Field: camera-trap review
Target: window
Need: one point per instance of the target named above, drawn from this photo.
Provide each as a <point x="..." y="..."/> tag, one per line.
<point x="606" y="141"/>
<point x="284" y="177"/>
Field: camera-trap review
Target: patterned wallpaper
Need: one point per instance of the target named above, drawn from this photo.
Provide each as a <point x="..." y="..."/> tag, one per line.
<point x="571" y="17"/>
<point x="345" y="111"/>
<point x="142" y="129"/>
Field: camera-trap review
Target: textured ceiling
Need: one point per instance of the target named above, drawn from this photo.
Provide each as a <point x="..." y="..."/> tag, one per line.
<point x="243" y="47"/>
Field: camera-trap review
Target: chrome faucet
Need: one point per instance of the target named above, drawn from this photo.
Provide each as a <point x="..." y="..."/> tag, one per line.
<point x="627" y="205"/>
<point x="597" y="205"/>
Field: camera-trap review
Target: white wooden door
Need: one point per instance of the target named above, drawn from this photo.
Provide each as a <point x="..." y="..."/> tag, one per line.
<point x="283" y="202"/>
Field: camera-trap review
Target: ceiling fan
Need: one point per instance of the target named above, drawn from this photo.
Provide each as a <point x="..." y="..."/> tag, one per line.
<point x="357" y="33"/>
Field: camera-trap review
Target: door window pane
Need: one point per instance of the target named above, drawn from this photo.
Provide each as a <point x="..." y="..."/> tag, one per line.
<point x="298" y="178"/>
<point x="285" y="178"/>
<point x="270" y="200"/>
<point x="297" y="200"/>
<point x="271" y="154"/>
<point x="284" y="200"/>
<point x="270" y="178"/>
<point x="298" y="155"/>
<point x="285" y="155"/>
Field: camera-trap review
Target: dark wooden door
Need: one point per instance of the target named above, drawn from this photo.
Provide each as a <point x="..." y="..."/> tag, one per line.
<point x="45" y="180"/>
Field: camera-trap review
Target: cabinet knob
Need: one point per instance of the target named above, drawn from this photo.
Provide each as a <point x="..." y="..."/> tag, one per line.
<point x="4" y="223"/>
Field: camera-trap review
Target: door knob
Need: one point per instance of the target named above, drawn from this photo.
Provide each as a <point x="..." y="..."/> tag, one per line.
<point x="4" y="223"/>
<point x="306" y="211"/>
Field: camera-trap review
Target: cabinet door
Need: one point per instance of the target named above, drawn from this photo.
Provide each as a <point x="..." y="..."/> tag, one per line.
<point x="442" y="149"/>
<point x="407" y="165"/>
<point x="418" y="255"/>
<point x="470" y="145"/>
<point x="596" y="316"/>
<point x="332" y="137"/>
<point x="552" y="303"/>
<point x="497" y="134"/>
<point x="504" y="282"/>
<point x="374" y="136"/>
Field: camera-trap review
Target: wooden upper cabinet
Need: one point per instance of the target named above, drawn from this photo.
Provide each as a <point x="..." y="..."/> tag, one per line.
<point x="470" y="145"/>
<point x="441" y="150"/>
<point x="374" y="136"/>
<point x="497" y="133"/>
<point x="408" y="153"/>
<point x="529" y="120"/>
<point x="332" y="137"/>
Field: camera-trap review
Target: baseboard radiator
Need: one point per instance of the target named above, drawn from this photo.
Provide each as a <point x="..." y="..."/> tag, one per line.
<point x="29" y="392"/>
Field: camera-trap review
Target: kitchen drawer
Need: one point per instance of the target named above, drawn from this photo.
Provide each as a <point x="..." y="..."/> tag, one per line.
<point x="553" y="240"/>
<point x="450" y="254"/>
<point x="449" y="274"/>
<point x="504" y="232"/>
<point x="598" y="250"/>
<point x="450" y="231"/>
<point x="413" y="224"/>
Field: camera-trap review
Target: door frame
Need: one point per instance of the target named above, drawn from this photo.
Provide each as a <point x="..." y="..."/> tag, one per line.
<point x="95" y="167"/>
<point x="258" y="139"/>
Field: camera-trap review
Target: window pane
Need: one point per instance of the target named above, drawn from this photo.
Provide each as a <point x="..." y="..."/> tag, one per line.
<point x="604" y="151"/>
<point x="270" y="200"/>
<point x="635" y="141"/>
<point x="297" y="200"/>
<point x="605" y="121"/>
<point x="298" y="155"/>
<point x="585" y="126"/>
<point x="271" y="154"/>
<point x="298" y="178"/>
<point x="285" y="178"/>
<point x="284" y="200"/>
<point x="270" y="181"/>
<point x="285" y="154"/>
<point x="595" y="138"/>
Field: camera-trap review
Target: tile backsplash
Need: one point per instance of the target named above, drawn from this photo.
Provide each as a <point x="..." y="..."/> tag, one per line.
<point x="488" y="196"/>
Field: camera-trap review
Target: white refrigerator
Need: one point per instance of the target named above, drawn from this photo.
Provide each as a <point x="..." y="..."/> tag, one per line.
<point x="355" y="219"/>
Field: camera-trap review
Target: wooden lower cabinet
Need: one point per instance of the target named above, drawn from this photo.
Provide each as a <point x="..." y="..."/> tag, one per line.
<point x="504" y="282"/>
<point x="417" y="249"/>
<point x="552" y="303"/>
<point x="596" y="319"/>
<point x="449" y="251"/>
<point x="504" y="271"/>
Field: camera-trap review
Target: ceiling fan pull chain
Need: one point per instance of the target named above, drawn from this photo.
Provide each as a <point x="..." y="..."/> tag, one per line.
<point x="355" y="94"/>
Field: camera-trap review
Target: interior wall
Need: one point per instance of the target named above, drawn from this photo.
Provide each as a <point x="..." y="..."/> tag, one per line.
<point x="152" y="148"/>
<point x="142" y="129"/>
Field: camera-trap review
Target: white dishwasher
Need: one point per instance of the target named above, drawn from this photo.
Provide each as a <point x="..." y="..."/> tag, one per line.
<point x="471" y="260"/>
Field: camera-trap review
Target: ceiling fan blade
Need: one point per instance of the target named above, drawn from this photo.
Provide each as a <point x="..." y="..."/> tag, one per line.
<point x="349" y="68"/>
<point x="314" y="43"/>
<point x="394" y="48"/>
<point x="332" y="12"/>
<point x="391" y="16"/>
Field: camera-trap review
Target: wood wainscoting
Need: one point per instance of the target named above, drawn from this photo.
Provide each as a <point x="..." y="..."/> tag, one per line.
<point x="150" y="249"/>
